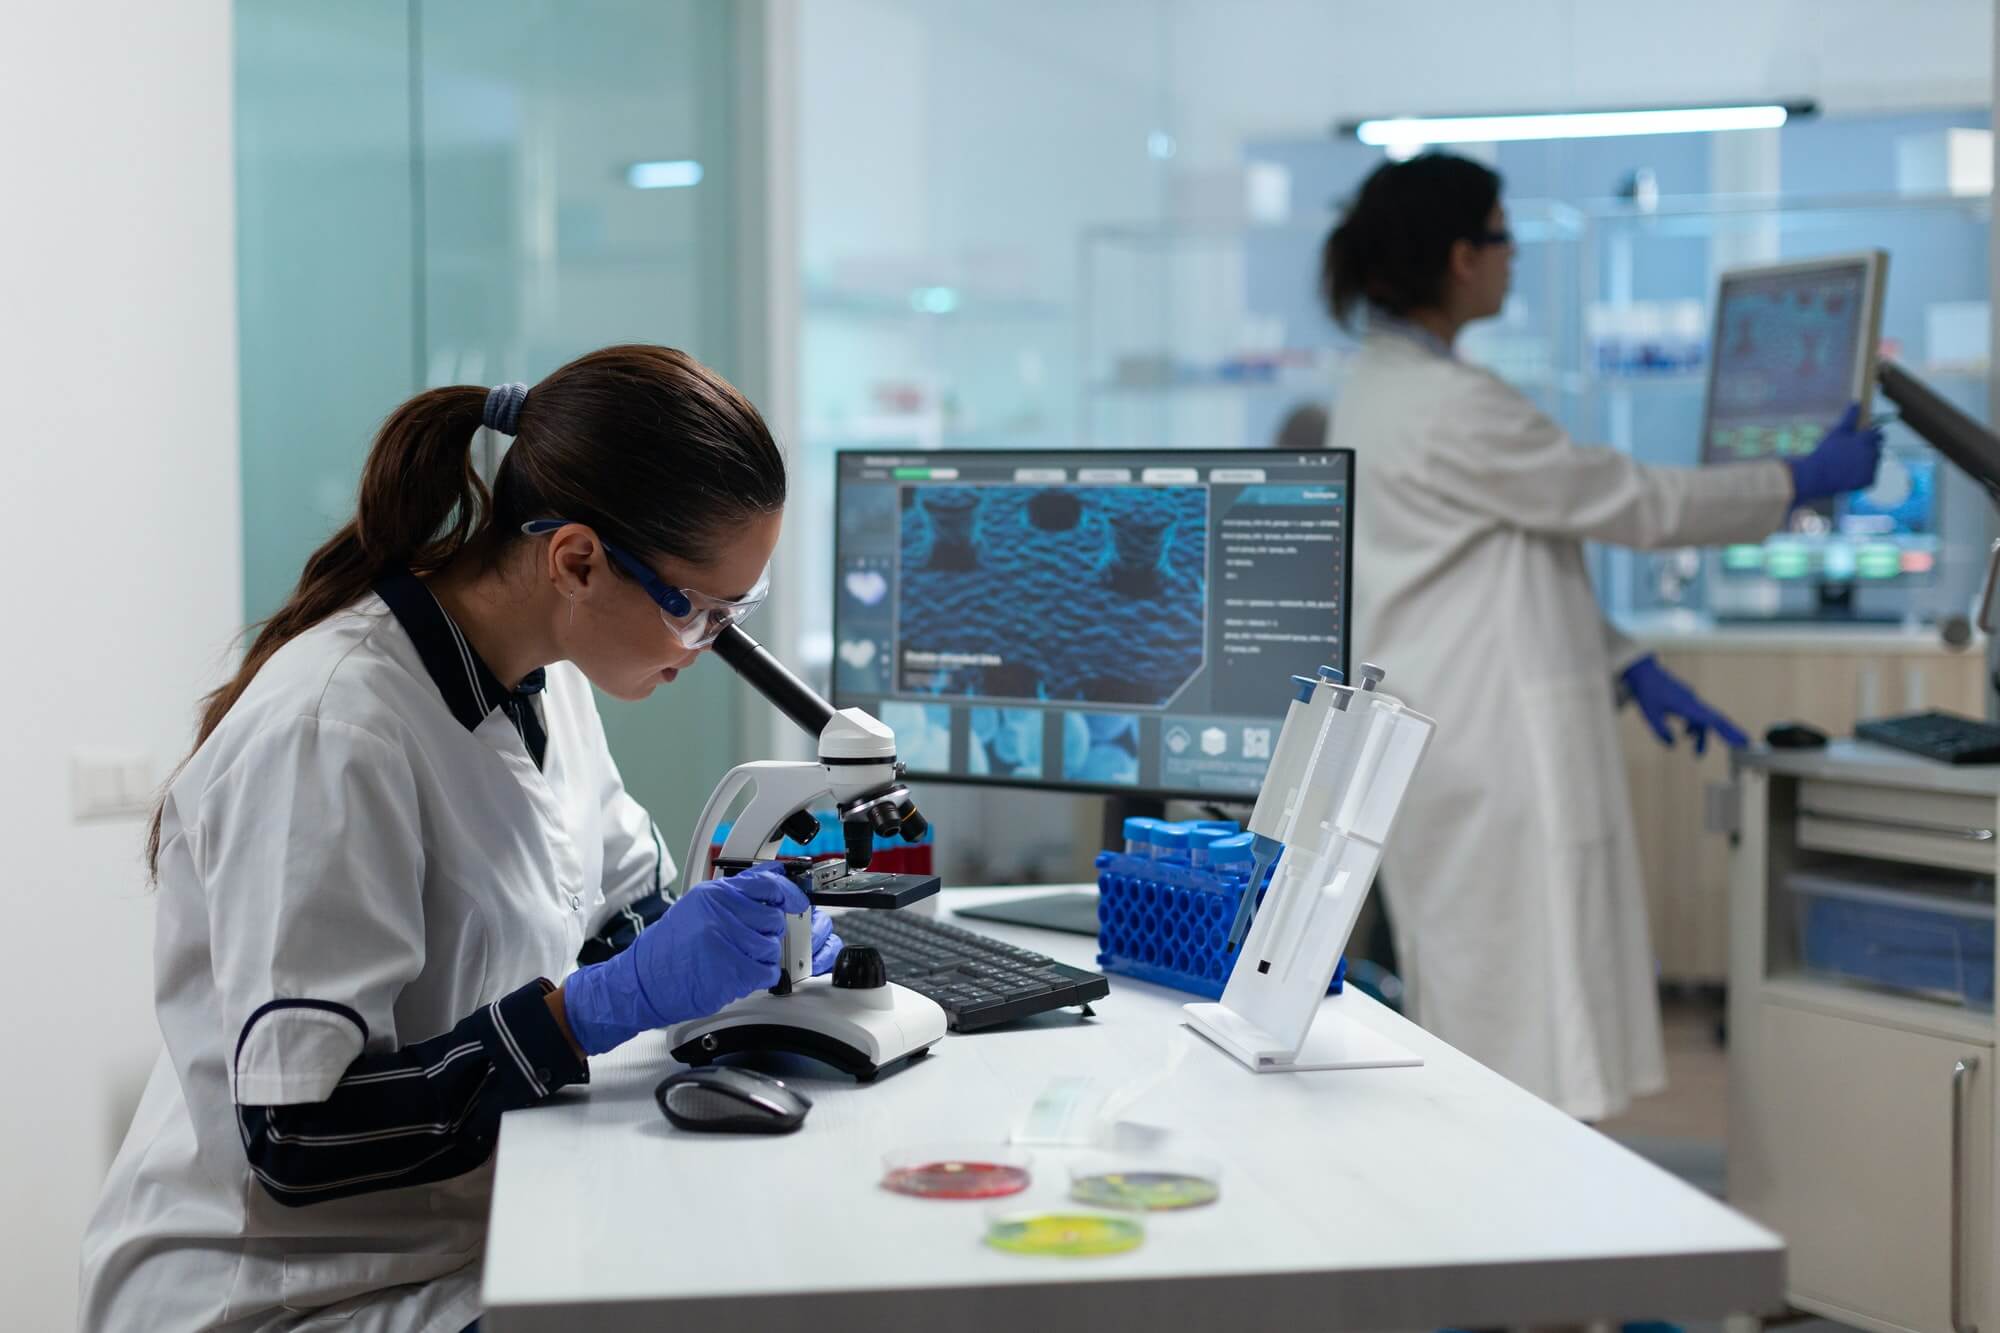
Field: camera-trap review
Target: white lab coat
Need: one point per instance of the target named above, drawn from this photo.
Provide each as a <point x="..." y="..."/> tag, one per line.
<point x="343" y="836"/>
<point x="1513" y="880"/>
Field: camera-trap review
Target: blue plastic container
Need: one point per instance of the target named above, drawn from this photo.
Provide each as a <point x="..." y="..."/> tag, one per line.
<point x="1167" y="922"/>
<point x="1930" y="944"/>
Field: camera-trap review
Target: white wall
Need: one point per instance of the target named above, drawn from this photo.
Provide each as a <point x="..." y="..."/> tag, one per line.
<point x="118" y="454"/>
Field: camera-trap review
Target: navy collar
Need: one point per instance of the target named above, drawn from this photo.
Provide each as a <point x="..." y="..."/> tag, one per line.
<point x="470" y="688"/>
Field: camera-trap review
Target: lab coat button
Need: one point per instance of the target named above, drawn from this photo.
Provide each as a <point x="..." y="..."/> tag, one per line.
<point x="576" y="903"/>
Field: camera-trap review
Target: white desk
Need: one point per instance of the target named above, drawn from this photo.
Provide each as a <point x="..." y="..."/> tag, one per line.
<point x="1395" y="1198"/>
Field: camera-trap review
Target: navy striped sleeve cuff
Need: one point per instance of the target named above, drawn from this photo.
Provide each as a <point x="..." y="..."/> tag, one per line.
<point x="421" y="1113"/>
<point x="531" y="1056"/>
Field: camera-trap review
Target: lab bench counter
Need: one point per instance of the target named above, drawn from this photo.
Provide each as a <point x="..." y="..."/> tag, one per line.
<point x="1669" y="630"/>
<point x="1394" y="1198"/>
<point x="1875" y="765"/>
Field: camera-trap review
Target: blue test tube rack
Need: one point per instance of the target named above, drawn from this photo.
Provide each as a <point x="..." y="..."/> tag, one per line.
<point x="1168" y="922"/>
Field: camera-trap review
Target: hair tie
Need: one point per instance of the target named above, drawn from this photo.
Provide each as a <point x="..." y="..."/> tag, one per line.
<point x="503" y="407"/>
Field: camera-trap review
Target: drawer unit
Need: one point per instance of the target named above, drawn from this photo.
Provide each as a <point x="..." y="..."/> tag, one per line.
<point x="1945" y="829"/>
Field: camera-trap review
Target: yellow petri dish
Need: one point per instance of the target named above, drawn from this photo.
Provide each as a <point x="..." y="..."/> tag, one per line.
<point x="1064" y="1234"/>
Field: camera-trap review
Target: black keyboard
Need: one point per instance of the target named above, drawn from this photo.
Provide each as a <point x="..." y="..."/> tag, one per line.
<point x="1945" y="737"/>
<point x="976" y="979"/>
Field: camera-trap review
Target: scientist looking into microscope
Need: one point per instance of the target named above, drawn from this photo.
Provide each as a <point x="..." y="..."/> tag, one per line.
<point x="1514" y="895"/>
<point x="402" y="888"/>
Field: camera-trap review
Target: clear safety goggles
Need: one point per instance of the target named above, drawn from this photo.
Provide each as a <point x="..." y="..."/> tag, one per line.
<point x="696" y="618"/>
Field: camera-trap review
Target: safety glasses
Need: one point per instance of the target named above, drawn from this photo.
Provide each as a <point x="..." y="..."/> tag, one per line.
<point x="696" y="618"/>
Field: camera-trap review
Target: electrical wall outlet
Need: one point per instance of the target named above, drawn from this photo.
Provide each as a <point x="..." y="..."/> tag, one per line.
<point x="111" y="786"/>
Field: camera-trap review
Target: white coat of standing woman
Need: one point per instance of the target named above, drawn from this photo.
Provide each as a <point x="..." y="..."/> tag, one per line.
<point x="1513" y="883"/>
<point x="402" y="889"/>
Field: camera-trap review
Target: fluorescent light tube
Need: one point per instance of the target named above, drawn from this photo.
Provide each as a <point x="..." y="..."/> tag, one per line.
<point x="1420" y="130"/>
<point x="662" y="175"/>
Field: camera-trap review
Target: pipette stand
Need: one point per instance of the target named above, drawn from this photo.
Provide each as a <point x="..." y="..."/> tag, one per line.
<point x="1356" y="752"/>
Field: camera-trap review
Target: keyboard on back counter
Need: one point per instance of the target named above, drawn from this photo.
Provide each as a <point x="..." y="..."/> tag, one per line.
<point x="1945" y="737"/>
<point x="978" y="981"/>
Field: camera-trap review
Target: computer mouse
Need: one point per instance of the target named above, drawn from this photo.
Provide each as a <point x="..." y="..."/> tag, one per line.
<point x="1794" y="736"/>
<point x="723" y="1099"/>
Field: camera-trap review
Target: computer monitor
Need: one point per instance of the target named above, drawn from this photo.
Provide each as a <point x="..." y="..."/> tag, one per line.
<point x="1794" y="344"/>
<point x="1099" y="621"/>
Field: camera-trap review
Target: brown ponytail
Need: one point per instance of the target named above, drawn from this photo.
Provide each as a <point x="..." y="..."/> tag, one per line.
<point x="646" y="444"/>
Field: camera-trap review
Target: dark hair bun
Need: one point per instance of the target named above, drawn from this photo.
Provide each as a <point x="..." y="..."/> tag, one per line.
<point x="1394" y="242"/>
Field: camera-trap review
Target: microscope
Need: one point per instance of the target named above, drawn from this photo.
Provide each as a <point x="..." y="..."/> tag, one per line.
<point x="855" y="1019"/>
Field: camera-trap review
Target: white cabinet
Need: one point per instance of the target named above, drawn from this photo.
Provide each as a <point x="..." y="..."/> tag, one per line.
<point x="1861" y="1120"/>
<point x="1843" y="1145"/>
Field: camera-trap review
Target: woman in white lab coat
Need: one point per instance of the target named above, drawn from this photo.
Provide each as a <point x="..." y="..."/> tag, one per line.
<point x="1513" y="882"/>
<point x="402" y="889"/>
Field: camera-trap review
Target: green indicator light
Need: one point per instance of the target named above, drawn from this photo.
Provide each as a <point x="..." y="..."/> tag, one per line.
<point x="1879" y="562"/>
<point x="1788" y="562"/>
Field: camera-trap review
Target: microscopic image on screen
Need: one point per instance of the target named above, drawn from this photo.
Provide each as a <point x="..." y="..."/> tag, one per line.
<point x="1006" y="742"/>
<point x="1784" y="362"/>
<point x="923" y="734"/>
<point x="1101" y="749"/>
<point x="1092" y="594"/>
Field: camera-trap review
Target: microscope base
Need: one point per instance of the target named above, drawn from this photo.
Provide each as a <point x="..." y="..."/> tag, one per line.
<point x="861" y="1033"/>
<point x="1335" y="1041"/>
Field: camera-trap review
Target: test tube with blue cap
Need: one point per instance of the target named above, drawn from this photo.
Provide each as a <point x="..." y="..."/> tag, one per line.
<point x="1200" y="841"/>
<point x="1139" y="840"/>
<point x="1172" y="841"/>
<point x="1231" y="856"/>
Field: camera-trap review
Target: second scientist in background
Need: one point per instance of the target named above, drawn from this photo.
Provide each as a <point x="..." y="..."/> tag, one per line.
<point x="1513" y="883"/>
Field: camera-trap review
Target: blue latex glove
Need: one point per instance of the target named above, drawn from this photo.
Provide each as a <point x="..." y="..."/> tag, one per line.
<point x="1660" y="697"/>
<point x="720" y="942"/>
<point x="1844" y="460"/>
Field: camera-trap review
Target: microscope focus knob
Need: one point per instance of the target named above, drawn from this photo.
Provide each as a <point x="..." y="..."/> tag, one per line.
<point x="859" y="967"/>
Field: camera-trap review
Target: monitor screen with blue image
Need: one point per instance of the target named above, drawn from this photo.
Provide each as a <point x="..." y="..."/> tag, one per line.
<point x="1089" y="620"/>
